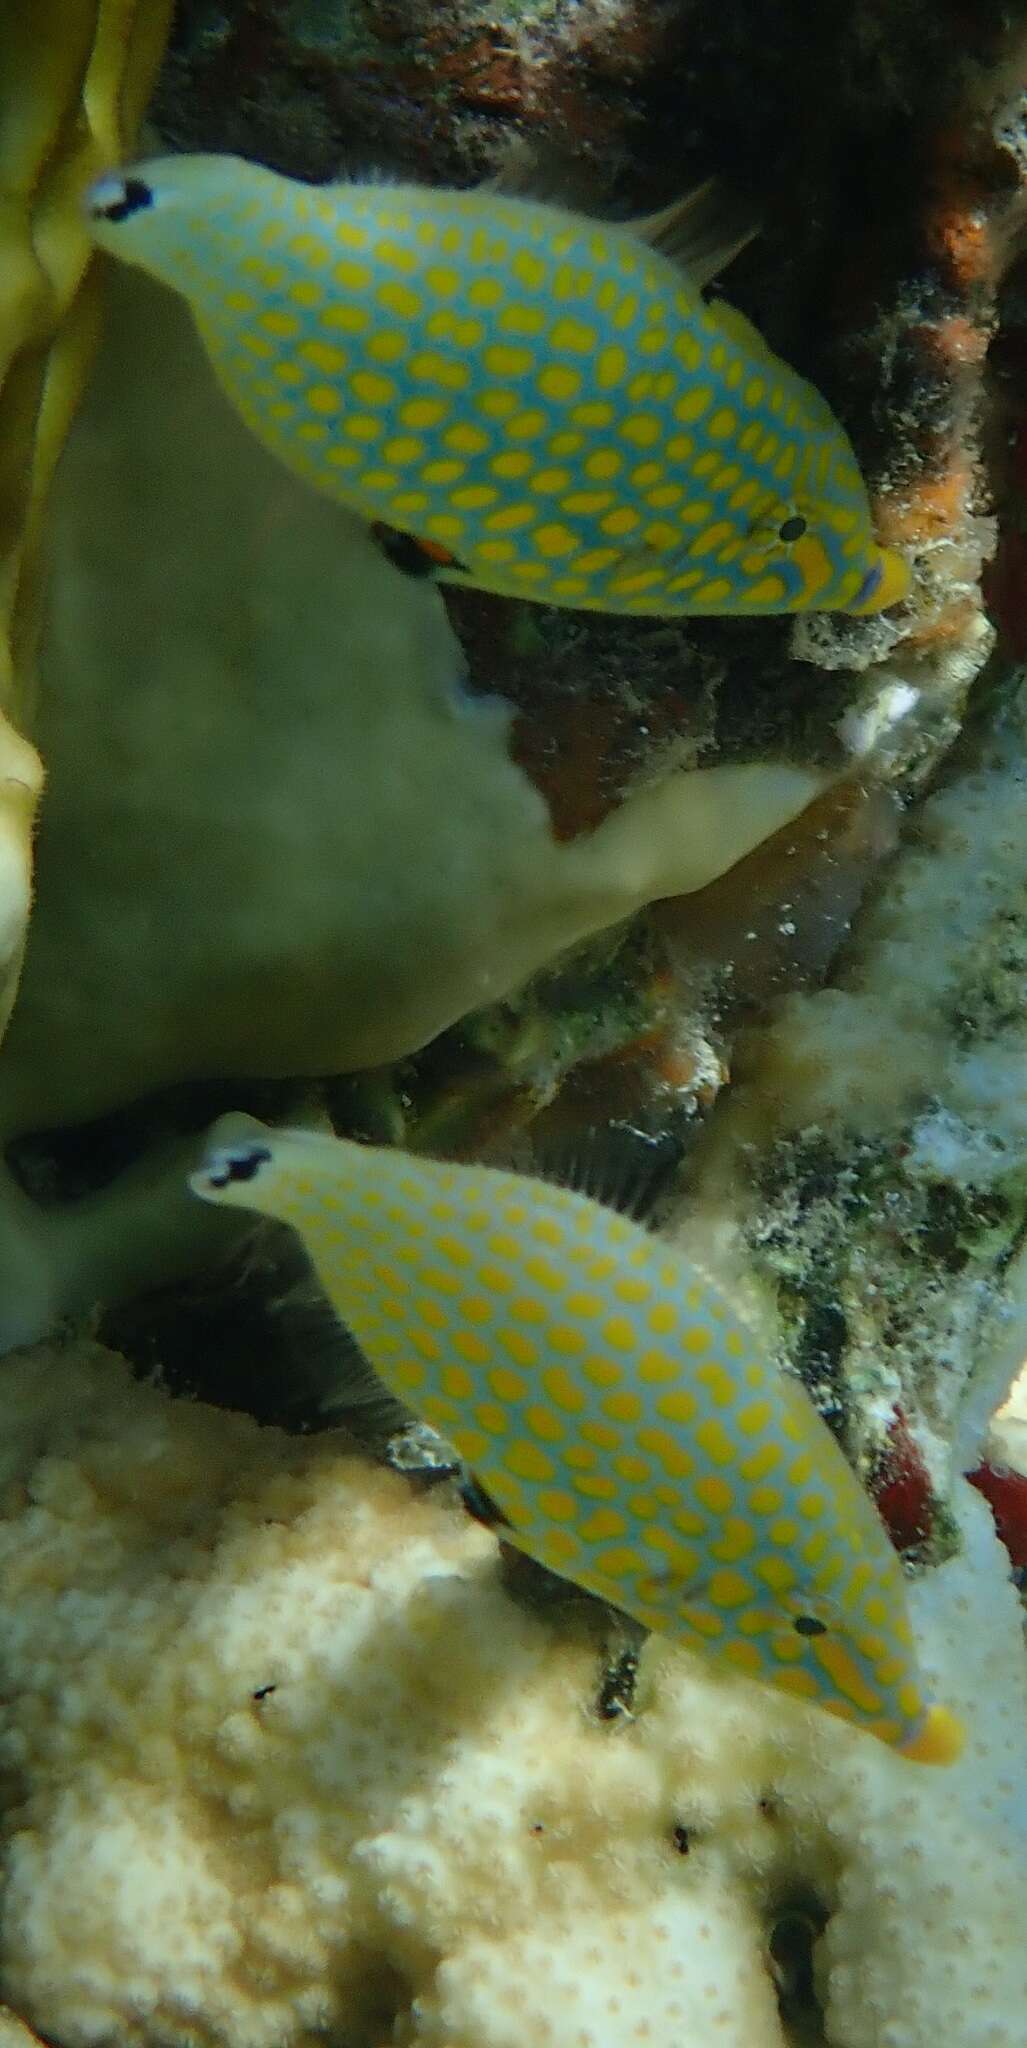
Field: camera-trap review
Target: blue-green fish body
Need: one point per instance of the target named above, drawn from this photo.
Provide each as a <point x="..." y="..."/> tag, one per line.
<point x="543" y="400"/>
<point x="615" y="1409"/>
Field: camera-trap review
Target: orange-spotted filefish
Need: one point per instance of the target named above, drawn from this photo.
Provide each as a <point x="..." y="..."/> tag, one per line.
<point x="615" y="1409"/>
<point x="545" y="401"/>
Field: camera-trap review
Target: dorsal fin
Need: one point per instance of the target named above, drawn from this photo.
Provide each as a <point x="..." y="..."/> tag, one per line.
<point x="537" y="168"/>
<point x="702" y="232"/>
<point x="615" y="1163"/>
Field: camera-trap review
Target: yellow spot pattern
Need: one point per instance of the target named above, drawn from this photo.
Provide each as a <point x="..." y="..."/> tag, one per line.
<point x="559" y="381"/>
<point x="553" y="540"/>
<point x="575" y="335"/>
<point x="526" y="1461"/>
<point x="543" y="1423"/>
<point x="400" y="299"/>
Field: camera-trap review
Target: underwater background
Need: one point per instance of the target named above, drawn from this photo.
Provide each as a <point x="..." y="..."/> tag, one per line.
<point x="707" y="908"/>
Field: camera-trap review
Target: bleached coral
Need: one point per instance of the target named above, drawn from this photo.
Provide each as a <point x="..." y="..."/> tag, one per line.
<point x="13" y="2034"/>
<point x="286" y="1760"/>
<point x="1008" y="1433"/>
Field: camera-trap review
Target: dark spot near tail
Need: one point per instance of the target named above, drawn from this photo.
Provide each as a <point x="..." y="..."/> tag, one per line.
<point x="413" y="557"/>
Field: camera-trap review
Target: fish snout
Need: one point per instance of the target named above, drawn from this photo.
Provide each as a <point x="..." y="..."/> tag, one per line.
<point x="236" y="1150"/>
<point x="114" y="199"/>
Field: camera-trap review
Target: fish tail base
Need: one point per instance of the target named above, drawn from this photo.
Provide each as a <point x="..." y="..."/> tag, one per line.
<point x="938" y="1738"/>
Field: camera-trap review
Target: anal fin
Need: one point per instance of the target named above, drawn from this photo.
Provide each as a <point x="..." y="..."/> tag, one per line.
<point x="414" y="557"/>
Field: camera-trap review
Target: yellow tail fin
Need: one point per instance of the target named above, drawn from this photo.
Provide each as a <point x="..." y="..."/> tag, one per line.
<point x="939" y="1738"/>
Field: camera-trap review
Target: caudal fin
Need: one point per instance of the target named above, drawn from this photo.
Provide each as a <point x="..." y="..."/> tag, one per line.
<point x="938" y="1739"/>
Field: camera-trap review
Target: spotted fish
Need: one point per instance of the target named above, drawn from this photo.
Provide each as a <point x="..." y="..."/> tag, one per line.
<point x="546" y="402"/>
<point x="614" y="1408"/>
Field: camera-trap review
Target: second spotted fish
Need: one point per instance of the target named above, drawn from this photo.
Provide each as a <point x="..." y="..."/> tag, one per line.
<point x="614" y="1408"/>
<point x="547" y="404"/>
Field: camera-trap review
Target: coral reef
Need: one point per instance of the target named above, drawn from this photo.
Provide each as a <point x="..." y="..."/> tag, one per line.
<point x="290" y="1750"/>
<point x="225" y="1825"/>
<point x="882" y="1197"/>
<point x="112" y="1010"/>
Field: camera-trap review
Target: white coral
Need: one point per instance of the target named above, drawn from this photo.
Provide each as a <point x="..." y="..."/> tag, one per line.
<point x="13" y="2034"/>
<point x="286" y="1759"/>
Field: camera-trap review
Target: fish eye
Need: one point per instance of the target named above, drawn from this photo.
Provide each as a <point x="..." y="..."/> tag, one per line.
<point x="238" y="1162"/>
<point x="792" y="528"/>
<point x="116" y="199"/>
<point x="808" y="1625"/>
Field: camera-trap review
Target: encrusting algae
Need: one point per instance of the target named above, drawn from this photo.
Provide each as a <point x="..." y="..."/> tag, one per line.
<point x="615" y="1409"/>
<point x="545" y="401"/>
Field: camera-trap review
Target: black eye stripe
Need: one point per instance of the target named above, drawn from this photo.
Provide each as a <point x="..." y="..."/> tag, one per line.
<point x="240" y="1164"/>
<point x="135" y="194"/>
